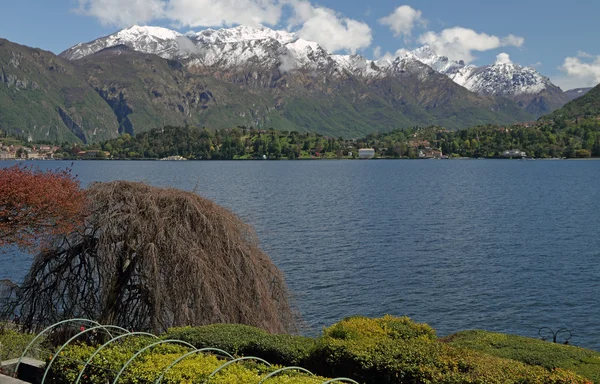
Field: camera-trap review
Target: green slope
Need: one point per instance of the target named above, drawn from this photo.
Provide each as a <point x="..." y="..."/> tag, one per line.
<point x="122" y="91"/>
<point x="587" y="105"/>
<point x="44" y="97"/>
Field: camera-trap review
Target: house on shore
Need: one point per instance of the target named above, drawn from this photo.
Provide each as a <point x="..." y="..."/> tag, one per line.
<point x="514" y="153"/>
<point x="366" y="153"/>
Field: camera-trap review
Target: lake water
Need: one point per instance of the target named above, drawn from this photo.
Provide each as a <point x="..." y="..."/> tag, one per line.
<point x="507" y="246"/>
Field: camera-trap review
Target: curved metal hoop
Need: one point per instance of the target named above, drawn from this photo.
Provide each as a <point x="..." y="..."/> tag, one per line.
<point x="285" y="369"/>
<point x="49" y="329"/>
<point x="146" y="348"/>
<point x="103" y="327"/>
<point x="180" y="358"/>
<point x="340" y="379"/>
<point x="555" y="334"/>
<point x="106" y="345"/>
<point x="234" y="361"/>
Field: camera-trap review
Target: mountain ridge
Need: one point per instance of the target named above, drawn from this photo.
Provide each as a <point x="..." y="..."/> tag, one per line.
<point x="285" y="82"/>
<point x="265" y="48"/>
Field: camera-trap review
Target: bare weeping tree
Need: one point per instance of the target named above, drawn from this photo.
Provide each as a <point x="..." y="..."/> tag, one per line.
<point x="149" y="259"/>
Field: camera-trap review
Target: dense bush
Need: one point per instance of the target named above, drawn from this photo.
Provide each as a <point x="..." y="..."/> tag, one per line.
<point x="395" y="350"/>
<point x="148" y="367"/>
<point x="13" y="343"/>
<point x="531" y="351"/>
<point x="248" y="341"/>
<point x="384" y="350"/>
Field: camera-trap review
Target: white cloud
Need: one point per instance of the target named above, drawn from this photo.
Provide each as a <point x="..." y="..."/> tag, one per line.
<point x="458" y="43"/>
<point x="288" y="63"/>
<point x="403" y="20"/>
<point x="377" y="52"/>
<point x="122" y="13"/>
<point x="579" y="73"/>
<point x="331" y="30"/>
<point x="503" y="58"/>
<point x="584" y="55"/>
<point x="392" y="56"/>
<point x="196" y="13"/>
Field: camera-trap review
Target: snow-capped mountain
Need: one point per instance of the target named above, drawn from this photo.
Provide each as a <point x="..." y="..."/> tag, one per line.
<point x="503" y="78"/>
<point x="261" y="51"/>
<point x="155" y="40"/>
<point x="223" y="48"/>
<point x="267" y="48"/>
<point x="531" y="90"/>
<point x="238" y="47"/>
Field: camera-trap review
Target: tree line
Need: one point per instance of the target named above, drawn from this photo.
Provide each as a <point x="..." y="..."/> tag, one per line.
<point x="560" y="138"/>
<point x="543" y="139"/>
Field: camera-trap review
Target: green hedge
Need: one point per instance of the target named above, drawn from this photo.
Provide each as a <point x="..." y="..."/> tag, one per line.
<point x="384" y="350"/>
<point x="395" y="350"/>
<point x="13" y="343"/>
<point x="148" y="367"/>
<point x="531" y="351"/>
<point x="248" y="341"/>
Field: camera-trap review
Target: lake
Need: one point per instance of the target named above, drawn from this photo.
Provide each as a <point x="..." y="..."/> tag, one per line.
<point x="507" y="246"/>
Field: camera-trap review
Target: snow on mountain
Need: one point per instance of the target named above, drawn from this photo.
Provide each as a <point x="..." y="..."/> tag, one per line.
<point x="159" y="41"/>
<point x="506" y="79"/>
<point x="267" y="49"/>
<point x="229" y="48"/>
<point x="242" y="33"/>
<point x="503" y="78"/>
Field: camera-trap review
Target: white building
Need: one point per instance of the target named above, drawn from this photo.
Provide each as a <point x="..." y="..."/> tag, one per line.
<point x="366" y="153"/>
<point x="514" y="153"/>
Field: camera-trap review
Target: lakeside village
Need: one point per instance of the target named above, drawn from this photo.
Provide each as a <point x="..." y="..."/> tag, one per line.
<point x="47" y="152"/>
<point x="43" y="152"/>
<point x="419" y="147"/>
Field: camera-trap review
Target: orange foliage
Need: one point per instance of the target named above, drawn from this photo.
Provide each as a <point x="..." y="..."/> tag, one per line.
<point x="36" y="205"/>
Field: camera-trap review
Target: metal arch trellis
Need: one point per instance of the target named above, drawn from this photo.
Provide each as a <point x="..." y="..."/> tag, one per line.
<point x="49" y="329"/>
<point x="555" y="334"/>
<point x="234" y="361"/>
<point x="283" y="370"/>
<point x="180" y="358"/>
<point x="146" y="348"/>
<point x="89" y="360"/>
<point x="57" y="353"/>
<point x="126" y="333"/>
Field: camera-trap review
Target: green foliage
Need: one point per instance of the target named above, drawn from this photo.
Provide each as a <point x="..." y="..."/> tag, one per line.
<point x="44" y="96"/>
<point x="384" y="350"/>
<point x="531" y="351"/>
<point x="391" y="350"/>
<point x="147" y="367"/>
<point x="585" y="106"/>
<point x="248" y="341"/>
<point x="13" y="343"/>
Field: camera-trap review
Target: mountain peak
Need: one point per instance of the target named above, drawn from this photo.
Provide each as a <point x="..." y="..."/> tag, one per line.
<point x="136" y="31"/>
<point x="424" y="52"/>
<point x="243" y="33"/>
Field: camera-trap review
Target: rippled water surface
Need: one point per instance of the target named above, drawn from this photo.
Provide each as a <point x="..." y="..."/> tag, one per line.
<point x="508" y="246"/>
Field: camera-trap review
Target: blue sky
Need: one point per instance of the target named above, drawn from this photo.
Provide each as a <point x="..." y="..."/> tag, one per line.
<point x="559" y="38"/>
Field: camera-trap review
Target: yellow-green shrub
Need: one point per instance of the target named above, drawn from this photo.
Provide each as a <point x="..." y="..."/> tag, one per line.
<point x="248" y="341"/>
<point x="147" y="367"/>
<point x="395" y="350"/>
<point x="530" y="351"/>
<point x="13" y="343"/>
